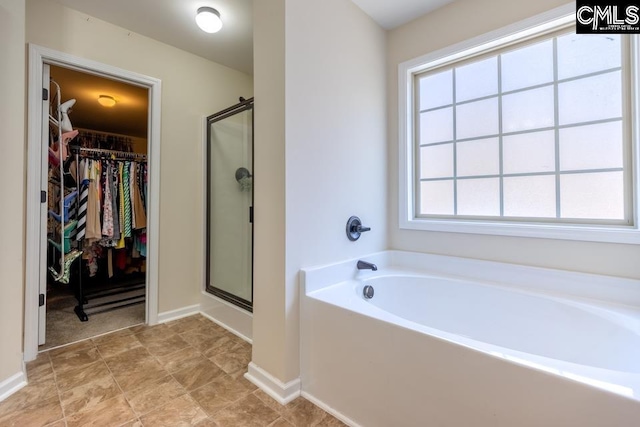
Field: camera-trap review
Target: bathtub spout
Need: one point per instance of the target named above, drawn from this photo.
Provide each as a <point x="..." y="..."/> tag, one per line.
<point x="364" y="265"/>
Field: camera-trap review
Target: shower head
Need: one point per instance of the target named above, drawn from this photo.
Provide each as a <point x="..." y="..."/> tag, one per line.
<point x="242" y="173"/>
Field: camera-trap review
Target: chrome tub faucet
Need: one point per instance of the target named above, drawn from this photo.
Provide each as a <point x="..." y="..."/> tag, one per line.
<point x="364" y="265"/>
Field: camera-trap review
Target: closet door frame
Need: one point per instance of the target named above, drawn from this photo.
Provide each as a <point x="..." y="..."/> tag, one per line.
<point x="34" y="257"/>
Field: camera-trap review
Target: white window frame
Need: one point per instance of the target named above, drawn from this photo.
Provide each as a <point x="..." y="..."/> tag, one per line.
<point x="532" y="27"/>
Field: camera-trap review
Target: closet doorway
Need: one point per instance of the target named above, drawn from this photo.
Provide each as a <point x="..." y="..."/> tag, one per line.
<point x="94" y="139"/>
<point x="100" y="271"/>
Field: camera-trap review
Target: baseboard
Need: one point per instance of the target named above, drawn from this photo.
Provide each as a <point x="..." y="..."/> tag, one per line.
<point x="167" y="316"/>
<point x="227" y="327"/>
<point x="348" y="421"/>
<point x="12" y="384"/>
<point x="233" y="318"/>
<point x="281" y="392"/>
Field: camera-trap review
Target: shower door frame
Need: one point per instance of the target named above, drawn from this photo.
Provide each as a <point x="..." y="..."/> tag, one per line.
<point x="243" y="105"/>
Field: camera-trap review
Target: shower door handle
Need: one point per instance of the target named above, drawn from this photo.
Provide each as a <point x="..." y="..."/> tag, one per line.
<point x="251" y="214"/>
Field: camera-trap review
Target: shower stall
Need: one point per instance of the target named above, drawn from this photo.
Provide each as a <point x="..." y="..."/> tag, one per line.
<point x="229" y="216"/>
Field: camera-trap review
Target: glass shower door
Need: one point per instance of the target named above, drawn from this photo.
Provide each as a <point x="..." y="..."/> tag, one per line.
<point x="230" y="204"/>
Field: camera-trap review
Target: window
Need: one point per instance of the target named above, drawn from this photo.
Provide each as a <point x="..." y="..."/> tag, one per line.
<point x="529" y="134"/>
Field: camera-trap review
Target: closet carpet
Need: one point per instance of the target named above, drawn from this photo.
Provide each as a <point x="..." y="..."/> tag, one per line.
<point x="188" y="372"/>
<point x="64" y="327"/>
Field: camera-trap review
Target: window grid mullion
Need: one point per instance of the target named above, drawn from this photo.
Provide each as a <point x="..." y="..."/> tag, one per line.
<point x="556" y="122"/>
<point x="528" y="88"/>
<point x="521" y="174"/>
<point x="455" y="145"/>
<point x="520" y="132"/>
<point x="500" y="140"/>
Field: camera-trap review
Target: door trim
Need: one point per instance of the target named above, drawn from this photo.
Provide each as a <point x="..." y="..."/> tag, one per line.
<point x="39" y="55"/>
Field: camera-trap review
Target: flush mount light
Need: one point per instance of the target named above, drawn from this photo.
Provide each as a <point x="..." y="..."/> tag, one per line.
<point x="107" y="101"/>
<point x="208" y="19"/>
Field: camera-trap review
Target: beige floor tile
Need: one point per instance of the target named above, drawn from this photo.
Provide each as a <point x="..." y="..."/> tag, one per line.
<point x="112" y="335"/>
<point x="81" y="345"/>
<point x="304" y="414"/>
<point x="110" y="413"/>
<point x="134" y="423"/>
<point x="89" y="395"/>
<point x="154" y="394"/>
<point x="180" y="359"/>
<point x="185" y="324"/>
<point x="247" y="412"/>
<point x="330" y="421"/>
<point x="198" y="374"/>
<point x="41" y="413"/>
<point x="74" y="358"/>
<point x="275" y="405"/>
<point x="29" y="395"/>
<point x="208" y="323"/>
<point x="203" y="339"/>
<point x="234" y="360"/>
<point x="166" y="345"/>
<point x="182" y="411"/>
<point x="76" y="377"/>
<point x="153" y="333"/>
<point x="40" y="369"/>
<point x="116" y="345"/>
<point x="281" y="422"/>
<point x="140" y="375"/>
<point x="239" y="341"/>
<point x="139" y="328"/>
<point x="127" y="360"/>
<point x="221" y="392"/>
<point x="208" y="422"/>
<point x="59" y="423"/>
<point x="219" y="344"/>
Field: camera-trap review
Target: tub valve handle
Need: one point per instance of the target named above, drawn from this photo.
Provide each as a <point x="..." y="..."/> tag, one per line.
<point x="355" y="228"/>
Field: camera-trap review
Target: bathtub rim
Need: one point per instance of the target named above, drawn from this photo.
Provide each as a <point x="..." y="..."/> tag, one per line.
<point x="607" y="289"/>
<point x="345" y="272"/>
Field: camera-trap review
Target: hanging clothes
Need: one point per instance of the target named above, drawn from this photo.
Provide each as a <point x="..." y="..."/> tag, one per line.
<point x="84" y="199"/>
<point x="121" y="241"/>
<point x="107" y="204"/>
<point x="138" y="208"/>
<point x="127" y="200"/>
<point x="115" y="200"/>
<point x="132" y="185"/>
<point x="93" y="228"/>
<point x="112" y="211"/>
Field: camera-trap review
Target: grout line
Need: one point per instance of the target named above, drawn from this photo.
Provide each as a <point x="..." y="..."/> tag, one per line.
<point x="68" y="344"/>
<point x="117" y="384"/>
<point x="170" y="374"/>
<point x="155" y="358"/>
<point x="55" y="381"/>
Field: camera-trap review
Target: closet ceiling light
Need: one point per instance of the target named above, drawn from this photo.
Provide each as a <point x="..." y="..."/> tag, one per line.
<point x="208" y="19"/>
<point x="106" y="100"/>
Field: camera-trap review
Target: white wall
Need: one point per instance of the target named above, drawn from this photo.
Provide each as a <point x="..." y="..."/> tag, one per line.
<point x="192" y="88"/>
<point x="451" y="24"/>
<point x="12" y="184"/>
<point x="269" y="337"/>
<point x="335" y="149"/>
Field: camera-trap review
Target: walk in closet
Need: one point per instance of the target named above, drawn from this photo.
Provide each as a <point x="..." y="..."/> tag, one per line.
<point x="97" y="197"/>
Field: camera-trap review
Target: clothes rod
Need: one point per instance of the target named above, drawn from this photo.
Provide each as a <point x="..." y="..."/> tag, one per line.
<point x="100" y="151"/>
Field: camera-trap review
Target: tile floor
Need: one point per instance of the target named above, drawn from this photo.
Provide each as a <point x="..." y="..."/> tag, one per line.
<point x="188" y="372"/>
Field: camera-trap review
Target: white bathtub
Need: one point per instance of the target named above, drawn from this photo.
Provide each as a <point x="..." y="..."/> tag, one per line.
<point x="456" y="342"/>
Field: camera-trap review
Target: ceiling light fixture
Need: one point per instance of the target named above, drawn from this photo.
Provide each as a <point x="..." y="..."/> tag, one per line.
<point x="208" y="19"/>
<point x="107" y="101"/>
